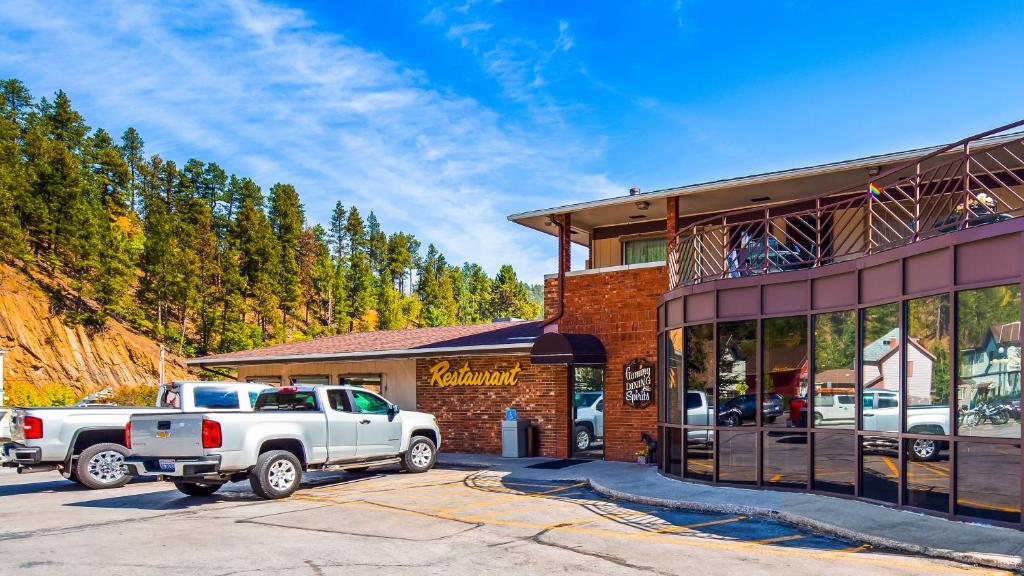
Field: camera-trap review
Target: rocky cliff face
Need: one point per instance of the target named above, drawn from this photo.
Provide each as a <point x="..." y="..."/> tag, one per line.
<point x="44" y="350"/>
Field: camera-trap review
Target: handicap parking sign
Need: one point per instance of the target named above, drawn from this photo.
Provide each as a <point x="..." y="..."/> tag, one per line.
<point x="510" y="413"/>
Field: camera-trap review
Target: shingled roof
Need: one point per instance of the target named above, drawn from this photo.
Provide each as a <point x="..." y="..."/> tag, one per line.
<point x="409" y="342"/>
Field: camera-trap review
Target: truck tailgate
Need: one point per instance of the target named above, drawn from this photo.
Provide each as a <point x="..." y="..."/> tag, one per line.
<point x="167" y="435"/>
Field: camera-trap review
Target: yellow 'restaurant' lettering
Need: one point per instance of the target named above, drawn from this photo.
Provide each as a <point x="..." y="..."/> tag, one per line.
<point x="443" y="376"/>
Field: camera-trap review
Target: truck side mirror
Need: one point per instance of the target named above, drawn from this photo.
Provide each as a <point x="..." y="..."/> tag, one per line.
<point x="393" y="409"/>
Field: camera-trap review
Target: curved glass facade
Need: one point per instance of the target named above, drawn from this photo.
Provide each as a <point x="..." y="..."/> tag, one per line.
<point x="913" y="402"/>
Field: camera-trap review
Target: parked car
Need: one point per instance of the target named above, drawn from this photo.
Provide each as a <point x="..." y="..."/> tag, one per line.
<point x="86" y="444"/>
<point x="743" y="408"/>
<point x="829" y="409"/>
<point x="880" y="410"/>
<point x="589" y="424"/>
<point x="292" y="430"/>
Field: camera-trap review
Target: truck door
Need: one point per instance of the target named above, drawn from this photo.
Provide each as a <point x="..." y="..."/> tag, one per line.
<point x="342" y="427"/>
<point x="599" y="418"/>
<point x="379" y="431"/>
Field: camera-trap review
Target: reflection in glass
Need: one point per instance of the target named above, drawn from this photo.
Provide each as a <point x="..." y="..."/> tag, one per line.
<point x="785" y="459"/>
<point x="737" y="373"/>
<point x="927" y="368"/>
<point x="927" y="481"/>
<point x="785" y="371"/>
<point x="700" y="455"/>
<point x="988" y="336"/>
<point x="736" y="457"/>
<point x="835" y="464"/>
<point x="700" y="375"/>
<point x="835" y="342"/>
<point x="674" y="458"/>
<point x="880" y="365"/>
<point x="673" y="376"/>
<point x="988" y="481"/>
<point x="880" y="474"/>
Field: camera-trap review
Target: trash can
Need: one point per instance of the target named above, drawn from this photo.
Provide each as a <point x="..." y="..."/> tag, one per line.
<point x="513" y="438"/>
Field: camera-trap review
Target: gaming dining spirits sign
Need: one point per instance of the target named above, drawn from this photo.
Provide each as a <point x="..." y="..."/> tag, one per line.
<point x="638" y="383"/>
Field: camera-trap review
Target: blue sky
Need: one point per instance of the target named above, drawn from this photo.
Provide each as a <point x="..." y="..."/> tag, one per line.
<point x="443" y="118"/>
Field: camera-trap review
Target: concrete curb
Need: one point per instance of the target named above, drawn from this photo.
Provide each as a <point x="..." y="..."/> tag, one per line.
<point x="1002" y="562"/>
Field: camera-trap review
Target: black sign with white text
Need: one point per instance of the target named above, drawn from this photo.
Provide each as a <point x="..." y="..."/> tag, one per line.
<point x="638" y="383"/>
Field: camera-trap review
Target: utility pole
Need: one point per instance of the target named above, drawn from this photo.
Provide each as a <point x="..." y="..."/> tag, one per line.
<point x="3" y="352"/>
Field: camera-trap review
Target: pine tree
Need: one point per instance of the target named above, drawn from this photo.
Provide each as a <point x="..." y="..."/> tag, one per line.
<point x="133" y="153"/>
<point x="509" y="296"/>
<point x="287" y="219"/>
<point x="359" y="277"/>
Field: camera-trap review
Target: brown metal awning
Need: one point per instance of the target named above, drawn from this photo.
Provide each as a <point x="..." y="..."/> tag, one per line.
<point x="569" y="349"/>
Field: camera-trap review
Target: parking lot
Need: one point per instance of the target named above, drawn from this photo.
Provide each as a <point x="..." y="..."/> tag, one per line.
<point x="447" y="521"/>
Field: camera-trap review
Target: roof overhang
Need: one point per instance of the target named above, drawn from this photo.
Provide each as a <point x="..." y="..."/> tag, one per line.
<point x="517" y="348"/>
<point x="568" y="349"/>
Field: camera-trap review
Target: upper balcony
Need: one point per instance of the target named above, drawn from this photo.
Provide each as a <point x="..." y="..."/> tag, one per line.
<point x="796" y="219"/>
<point x="976" y="181"/>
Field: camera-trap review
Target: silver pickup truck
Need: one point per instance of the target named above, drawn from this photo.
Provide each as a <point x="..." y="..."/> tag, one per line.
<point x="86" y="444"/>
<point x="291" y="430"/>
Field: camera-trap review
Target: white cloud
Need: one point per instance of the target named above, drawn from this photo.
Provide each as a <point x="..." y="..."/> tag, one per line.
<point x="263" y="91"/>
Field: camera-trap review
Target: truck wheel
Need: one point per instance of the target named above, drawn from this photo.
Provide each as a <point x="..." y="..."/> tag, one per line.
<point x="276" y="475"/>
<point x="581" y="438"/>
<point x="74" y="478"/>
<point x="420" y="456"/>
<point x="924" y="450"/>
<point x="197" y="488"/>
<point x="102" y="466"/>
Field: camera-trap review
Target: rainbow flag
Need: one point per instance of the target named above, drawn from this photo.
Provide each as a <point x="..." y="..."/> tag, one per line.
<point x="873" y="190"/>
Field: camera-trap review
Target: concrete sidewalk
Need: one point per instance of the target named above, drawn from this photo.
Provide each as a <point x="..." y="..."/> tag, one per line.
<point x="877" y="525"/>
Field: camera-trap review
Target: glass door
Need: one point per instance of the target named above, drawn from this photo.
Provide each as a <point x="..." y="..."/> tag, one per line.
<point x="588" y="412"/>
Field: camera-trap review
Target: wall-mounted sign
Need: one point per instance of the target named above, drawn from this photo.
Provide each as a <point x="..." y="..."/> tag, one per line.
<point x="638" y="383"/>
<point x="442" y="375"/>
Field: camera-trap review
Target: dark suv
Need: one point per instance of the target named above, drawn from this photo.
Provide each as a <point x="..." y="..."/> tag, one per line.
<point x="743" y="408"/>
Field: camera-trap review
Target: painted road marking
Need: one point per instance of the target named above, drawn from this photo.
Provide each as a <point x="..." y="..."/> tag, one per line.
<point x="675" y="528"/>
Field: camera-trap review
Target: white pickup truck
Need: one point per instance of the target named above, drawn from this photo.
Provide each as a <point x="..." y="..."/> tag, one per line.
<point x="291" y="430"/>
<point x="86" y="444"/>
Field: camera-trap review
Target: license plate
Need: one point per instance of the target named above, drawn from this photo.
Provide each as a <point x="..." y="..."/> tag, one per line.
<point x="166" y="465"/>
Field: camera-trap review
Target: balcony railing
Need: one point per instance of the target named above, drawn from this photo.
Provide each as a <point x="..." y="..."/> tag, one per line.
<point x="978" y="180"/>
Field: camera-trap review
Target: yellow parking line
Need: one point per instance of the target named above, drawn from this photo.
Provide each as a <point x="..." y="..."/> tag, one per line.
<point x="892" y="467"/>
<point x="853" y="549"/>
<point x="522" y="495"/>
<point x="588" y="520"/>
<point x="776" y="539"/>
<point x="775" y="478"/>
<point x="669" y="529"/>
<point x="978" y="504"/>
<point x="724" y="546"/>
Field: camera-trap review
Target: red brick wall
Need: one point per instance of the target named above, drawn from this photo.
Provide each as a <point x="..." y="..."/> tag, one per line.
<point x="620" y="308"/>
<point x="470" y="416"/>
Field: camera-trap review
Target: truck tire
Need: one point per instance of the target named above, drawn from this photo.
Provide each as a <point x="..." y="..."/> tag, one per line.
<point x="101" y="466"/>
<point x="924" y="450"/>
<point x="277" y="474"/>
<point x="420" y="456"/>
<point x="197" y="488"/>
<point x="581" y="438"/>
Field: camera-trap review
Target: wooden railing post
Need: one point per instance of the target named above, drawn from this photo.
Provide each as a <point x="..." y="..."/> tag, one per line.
<point x="962" y="221"/>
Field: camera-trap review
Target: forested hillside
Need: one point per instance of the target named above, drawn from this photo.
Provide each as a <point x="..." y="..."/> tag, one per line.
<point x="206" y="261"/>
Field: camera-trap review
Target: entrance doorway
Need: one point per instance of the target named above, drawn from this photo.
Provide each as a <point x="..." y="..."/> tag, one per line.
<point x="587" y="412"/>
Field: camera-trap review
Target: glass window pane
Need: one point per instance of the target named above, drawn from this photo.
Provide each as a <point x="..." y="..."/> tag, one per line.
<point x="880" y="474"/>
<point x="880" y="363"/>
<point x="988" y="481"/>
<point x="736" y="457"/>
<point x="368" y="403"/>
<point x="927" y="366"/>
<point x="785" y="459"/>
<point x="835" y="462"/>
<point x="700" y="375"/>
<point x="700" y="454"/>
<point x="835" y="349"/>
<point x="215" y="398"/>
<point x="927" y="475"/>
<point x="311" y="380"/>
<point x="988" y="336"/>
<point x="784" y="384"/>
<point x="737" y="373"/>
<point x="673" y="376"/>
<point x="643" y="251"/>
<point x="674" y="463"/>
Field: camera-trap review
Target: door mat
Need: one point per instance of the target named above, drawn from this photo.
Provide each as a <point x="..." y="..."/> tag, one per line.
<point x="558" y="464"/>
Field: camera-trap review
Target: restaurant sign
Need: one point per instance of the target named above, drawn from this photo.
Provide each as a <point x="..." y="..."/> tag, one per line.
<point x="442" y="375"/>
<point x="638" y="383"/>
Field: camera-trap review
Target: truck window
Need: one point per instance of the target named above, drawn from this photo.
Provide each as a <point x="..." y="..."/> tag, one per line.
<point x="368" y="403"/>
<point x="253" y="395"/>
<point x="219" y="397"/>
<point x="338" y="399"/>
<point x="287" y="401"/>
<point x="693" y="400"/>
<point x="170" y="397"/>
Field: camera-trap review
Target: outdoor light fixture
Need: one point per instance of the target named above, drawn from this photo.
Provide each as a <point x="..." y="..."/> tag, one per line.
<point x="643" y="205"/>
<point x="874" y="171"/>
